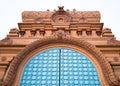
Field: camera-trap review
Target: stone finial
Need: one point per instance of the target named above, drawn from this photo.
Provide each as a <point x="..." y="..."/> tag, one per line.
<point x="48" y="10"/>
<point x="67" y="10"/>
<point x="61" y="8"/>
<point x="74" y="10"/>
<point x="54" y="10"/>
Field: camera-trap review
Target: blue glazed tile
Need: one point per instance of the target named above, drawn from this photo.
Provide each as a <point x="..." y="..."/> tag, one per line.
<point x="60" y="66"/>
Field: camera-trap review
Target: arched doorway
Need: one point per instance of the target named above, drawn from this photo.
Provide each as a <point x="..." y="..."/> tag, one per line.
<point x="60" y="67"/>
<point x="14" y="74"/>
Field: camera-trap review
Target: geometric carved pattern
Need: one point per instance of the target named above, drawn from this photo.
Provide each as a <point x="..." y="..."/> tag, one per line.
<point x="66" y="40"/>
<point x="81" y="16"/>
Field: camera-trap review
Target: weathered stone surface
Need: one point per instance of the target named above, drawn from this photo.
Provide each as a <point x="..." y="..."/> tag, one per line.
<point x="79" y="30"/>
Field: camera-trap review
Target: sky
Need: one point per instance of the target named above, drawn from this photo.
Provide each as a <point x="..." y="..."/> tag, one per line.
<point x="10" y="11"/>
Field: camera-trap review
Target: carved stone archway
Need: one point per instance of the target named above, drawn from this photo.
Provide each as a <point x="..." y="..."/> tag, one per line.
<point x="105" y="72"/>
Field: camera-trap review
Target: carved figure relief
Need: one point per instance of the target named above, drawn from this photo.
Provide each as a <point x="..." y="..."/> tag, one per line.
<point x="61" y="16"/>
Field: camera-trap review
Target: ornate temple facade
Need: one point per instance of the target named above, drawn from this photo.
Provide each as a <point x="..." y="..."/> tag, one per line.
<point x="75" y="43"/>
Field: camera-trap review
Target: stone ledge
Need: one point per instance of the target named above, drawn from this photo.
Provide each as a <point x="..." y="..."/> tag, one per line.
<point x="4" y="63"/>
<point x="112" y="63"/>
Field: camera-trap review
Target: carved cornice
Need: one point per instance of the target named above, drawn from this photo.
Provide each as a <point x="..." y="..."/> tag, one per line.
<point x="79" y="16"/>
<point x="6" y="41"/>
<point x="43" y="14"/>
<point x="60" y="38"/>
<point x="113" y="42"/>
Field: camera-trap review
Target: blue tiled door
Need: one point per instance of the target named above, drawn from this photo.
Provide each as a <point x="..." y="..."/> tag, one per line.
<point x="60" y="67"/>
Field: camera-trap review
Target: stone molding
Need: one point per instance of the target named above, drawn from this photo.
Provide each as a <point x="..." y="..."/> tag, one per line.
<point x="113" y="42"/>
<point x="6" y="41"/>
<point x="105" y="66"/>
<point x="83" y="16"/>
<point x="47" y="14"/>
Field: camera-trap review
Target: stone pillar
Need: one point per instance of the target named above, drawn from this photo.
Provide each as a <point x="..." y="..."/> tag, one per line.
<point x="27" y="33"/>
<point x="84" y="33"/>
<point x="94" y="34"/>
<point x="37" y="33"/>
<point x="74" y="33"/>
<point x="48" y="33"/>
